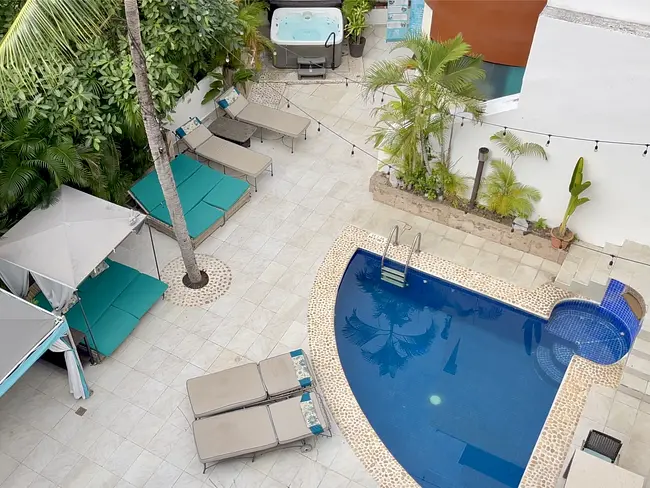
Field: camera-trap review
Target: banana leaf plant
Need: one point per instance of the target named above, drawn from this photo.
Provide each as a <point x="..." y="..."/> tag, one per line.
<point x="576" y="188"/>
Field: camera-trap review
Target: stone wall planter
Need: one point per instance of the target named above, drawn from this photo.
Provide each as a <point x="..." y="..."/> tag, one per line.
<point x="382" y="191"/>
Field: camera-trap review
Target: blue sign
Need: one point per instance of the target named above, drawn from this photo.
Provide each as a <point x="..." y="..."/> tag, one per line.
<point x="417" y="12"/>
<point x="397" y="25"/>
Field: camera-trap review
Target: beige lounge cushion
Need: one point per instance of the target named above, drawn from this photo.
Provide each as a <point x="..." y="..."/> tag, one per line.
<point x="197" y="137"/>
<point x="234" y="434"/>
<point x="273" y="119"/>
<point x="235" y="108"/>
<point x="289" y="422"/>
<point x="279" y="375"/>
<point x="225" y="390"/>
<point x="233" y="156"/>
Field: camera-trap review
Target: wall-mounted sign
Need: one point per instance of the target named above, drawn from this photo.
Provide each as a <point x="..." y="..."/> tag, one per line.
<point x="398" y="23"/>
<point x="415" y="20"/>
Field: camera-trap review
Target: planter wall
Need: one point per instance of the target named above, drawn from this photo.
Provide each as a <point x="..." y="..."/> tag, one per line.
<point x="383" y="192"/>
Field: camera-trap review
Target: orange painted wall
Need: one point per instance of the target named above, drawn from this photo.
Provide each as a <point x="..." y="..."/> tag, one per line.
<point x="501" y="30"/>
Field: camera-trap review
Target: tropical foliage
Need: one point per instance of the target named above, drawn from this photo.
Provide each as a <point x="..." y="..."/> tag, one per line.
<point x="35" y="159"/>
<point x="506" y="196"/>
<point x="431" y="87"/>
<point x="576" y="188"/>
<point x="76" y="83"/>
<point x="502" y="193"/>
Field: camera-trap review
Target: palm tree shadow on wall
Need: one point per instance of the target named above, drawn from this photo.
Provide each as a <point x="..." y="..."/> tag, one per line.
<point x="397" y="345"/>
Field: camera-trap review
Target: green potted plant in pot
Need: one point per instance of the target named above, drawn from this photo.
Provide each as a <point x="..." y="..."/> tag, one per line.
<point x="561" y="236"/>
<point x="355" y="16"/>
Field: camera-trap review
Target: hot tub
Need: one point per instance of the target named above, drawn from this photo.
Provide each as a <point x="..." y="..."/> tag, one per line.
<point x="304" y="32"/>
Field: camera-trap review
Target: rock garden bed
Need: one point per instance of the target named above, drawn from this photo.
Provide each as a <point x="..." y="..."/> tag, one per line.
<point x="474" y="221"/>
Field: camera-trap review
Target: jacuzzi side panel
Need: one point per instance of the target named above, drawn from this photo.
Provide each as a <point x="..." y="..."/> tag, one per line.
<point x="287" y="57"/>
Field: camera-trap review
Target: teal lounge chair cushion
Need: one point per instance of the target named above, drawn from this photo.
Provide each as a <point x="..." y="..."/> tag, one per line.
<point x="148" y="191"/>
<point x="201" y="218"/>
<point x="140" y="295"/>
<point x="226" y="193"/>
<point x="111" y="329"/>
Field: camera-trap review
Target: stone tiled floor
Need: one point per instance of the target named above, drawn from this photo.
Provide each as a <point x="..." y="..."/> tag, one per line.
<point x="136" y="432"/>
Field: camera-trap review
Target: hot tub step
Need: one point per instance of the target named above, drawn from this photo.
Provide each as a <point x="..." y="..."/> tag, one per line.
<point x="311" y="67"/>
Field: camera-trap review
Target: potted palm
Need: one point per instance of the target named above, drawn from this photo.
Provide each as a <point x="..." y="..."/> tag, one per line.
<point x="561" y="236"/>
<point x="355" y="16"/>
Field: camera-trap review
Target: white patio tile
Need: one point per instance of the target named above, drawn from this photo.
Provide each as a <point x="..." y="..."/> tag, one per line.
<point x="151" y="330"/>
<point x="171" y="338"/>
<point x="286" y="467"/>
<point x="225" y="473"/>
<point x="142" y="469"/>
<point x="249" y="478"/>
<point x="207" y="325"/>
<point x="39" y="458"/>
<point x="131" y="351"/>
<point x="131" y="385"/>
<point x="189" y="318"/>
<point x="310" y="476"/>
<point x="206" y="355"/>
<point x="104" y="447"/>
<point x="127" y="419"/>
<point x="123" y="458"/>
<point x="242" y="340"/>
<point x="186" y="480"/>
<point x="188" y="347"/>
<point x="260" y="349"/>
<point x="21" y="477"/>
<point x="332" y="479"/>
<point x="145" y="429"/>
<point x="151" y="361"/>
<point x="189" y="371"/>
<point x="224" y="333"/>
<point x="240" y="312"/>
<point x="224" y="305"/>
<point x="227" y="359"/>
<point x="273" y="273"/>
<point x="169" y="370"/>
<point x="295" y="335"/>
<point x="7" y="466"/>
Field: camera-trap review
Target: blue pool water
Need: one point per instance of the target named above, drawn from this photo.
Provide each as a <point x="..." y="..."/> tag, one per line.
<point x="456" y="385"/>
<point x="306" y="26"/>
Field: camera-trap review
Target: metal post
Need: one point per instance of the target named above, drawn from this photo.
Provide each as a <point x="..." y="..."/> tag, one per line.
<point x="90" y="331"/>
<point x="482" y="158"/>
<point x="153" y="248"/>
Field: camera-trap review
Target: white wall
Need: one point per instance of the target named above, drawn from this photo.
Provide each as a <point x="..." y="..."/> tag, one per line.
<point x="190" y="105"/>
<point x="587" y="82"/>
<point x="427" y="20"/>
<point x="628" y="10"/>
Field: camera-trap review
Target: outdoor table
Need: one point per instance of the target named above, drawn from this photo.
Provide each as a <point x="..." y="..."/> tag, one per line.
<point x="233" y="130"/>
<point x="588" y="471"/>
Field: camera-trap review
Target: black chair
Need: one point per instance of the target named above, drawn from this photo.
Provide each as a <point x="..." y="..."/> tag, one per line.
<point x="600" y="445"/>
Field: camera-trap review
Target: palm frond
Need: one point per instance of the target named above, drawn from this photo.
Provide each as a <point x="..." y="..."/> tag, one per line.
<point x="42" y="35"/>
<point x="357" y="331"/>
<point x="508" y="142"/>
<point x="506" y="196"/>
<point x="532" y="149"/>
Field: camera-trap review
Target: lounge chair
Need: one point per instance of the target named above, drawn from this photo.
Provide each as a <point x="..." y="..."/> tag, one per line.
<point x="208" y="197"/>
<point x="601" y="445"/>
<point x="228" y="154"/>
<point x="259" y="429"/>
<point x="249" y="384"/>
<point x="262" y="116"/>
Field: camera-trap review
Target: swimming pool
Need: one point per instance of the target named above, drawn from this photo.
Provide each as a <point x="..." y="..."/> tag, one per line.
<point x="455" y="384"/>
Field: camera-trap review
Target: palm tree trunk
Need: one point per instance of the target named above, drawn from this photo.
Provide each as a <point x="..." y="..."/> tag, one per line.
<point x="156" y="142"/>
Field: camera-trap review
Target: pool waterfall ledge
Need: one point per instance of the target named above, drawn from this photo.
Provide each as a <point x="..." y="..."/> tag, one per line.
<point x="545" y="465"/>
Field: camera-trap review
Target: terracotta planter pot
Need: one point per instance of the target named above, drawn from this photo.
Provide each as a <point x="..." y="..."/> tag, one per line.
<point x="561" y="242"/>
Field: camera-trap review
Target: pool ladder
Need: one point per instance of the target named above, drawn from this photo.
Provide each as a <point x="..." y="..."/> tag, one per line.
<point x="392" y="275"/>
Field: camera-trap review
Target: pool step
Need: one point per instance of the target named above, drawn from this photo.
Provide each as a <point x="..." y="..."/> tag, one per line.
<point x="391" y="275"/>
<point x="311" y="68"/>
<point x="546" y="365"/>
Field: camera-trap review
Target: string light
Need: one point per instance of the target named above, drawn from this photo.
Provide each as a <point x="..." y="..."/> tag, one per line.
<point x="596" y="147"/>
<point x="346" y="82"/>
<point x="611" y="261"/>
<point x="382" y="97"/>
<point x="353" y="146"/>
<point x="645" y="153"/>
<point x="319" y="127"/>
<point x="462" y="121"/>
<point x="548" y="143"/>
<point x="505" y="129"/>
<point x="288" y="106"/>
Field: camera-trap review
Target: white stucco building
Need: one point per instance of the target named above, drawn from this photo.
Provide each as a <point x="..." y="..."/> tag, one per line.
<point x="587" y="76"/>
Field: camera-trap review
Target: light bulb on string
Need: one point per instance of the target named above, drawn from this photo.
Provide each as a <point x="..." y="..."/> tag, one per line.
<point x="596" y="147"/>
<point x="505" y="130"/>
<point x="227" y="59"/>
<point x="611" y="261"/>
<point x="462" y="121"/>
<point x="352" y="153"/>
<point x="318" y="127"/>
<point x="288" y="105"/>
<point x="346" y="82"/>
<point x="645" y="153"/>
<point x="382" y="97"/>
<point x="548" y="143"/>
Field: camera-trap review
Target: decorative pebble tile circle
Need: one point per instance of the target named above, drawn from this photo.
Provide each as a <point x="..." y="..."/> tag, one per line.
<point x="554" y="441"/>
<point x="220" y="279"/>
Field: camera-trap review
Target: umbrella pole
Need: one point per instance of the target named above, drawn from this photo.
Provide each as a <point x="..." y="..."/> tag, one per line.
<point x="90" y="331"/>
<point x="153" y="248"/>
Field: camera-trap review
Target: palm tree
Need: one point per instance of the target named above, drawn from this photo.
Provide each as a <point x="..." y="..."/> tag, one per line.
<point x="44" y="34"/>
<point x="506" y="196"/>
<point x="35" y="159"/>
<point x="251" y="15"/>
<point x="515" y="148"/>
<point x="438" y="82"/>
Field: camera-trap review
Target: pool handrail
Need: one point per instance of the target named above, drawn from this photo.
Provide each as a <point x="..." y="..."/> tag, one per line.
<point x="416" y="242"/>
<point x="394" y="231"/>
<point x="333" y="48"/>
